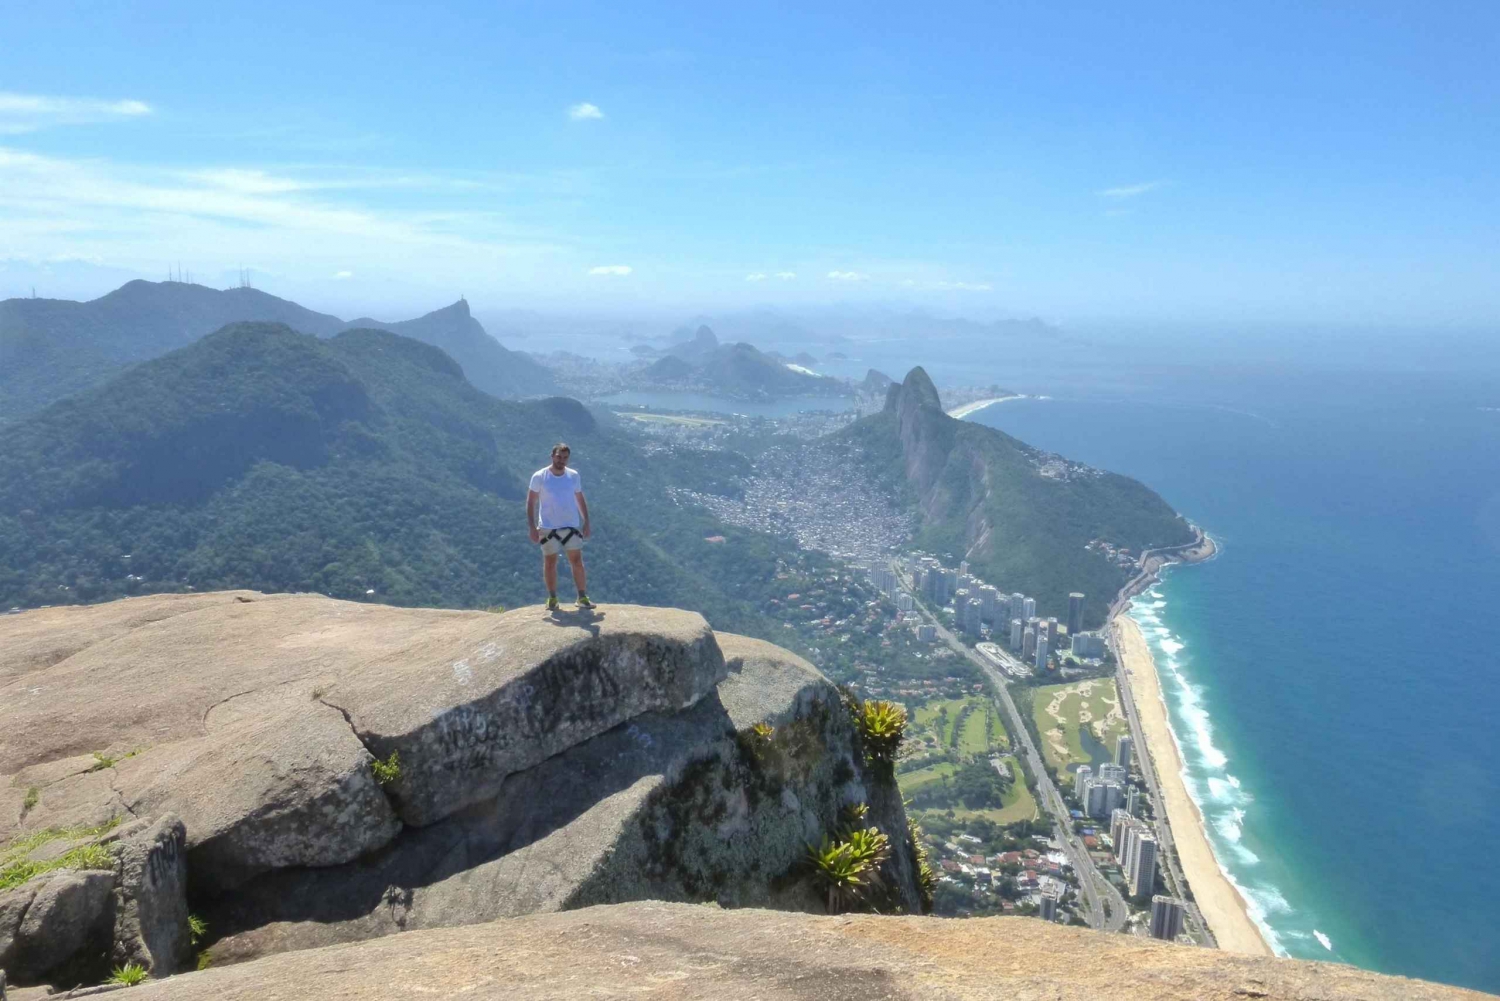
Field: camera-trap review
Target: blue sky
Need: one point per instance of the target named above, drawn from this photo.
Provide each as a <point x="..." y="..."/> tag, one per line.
<point x="1081" y="162"/>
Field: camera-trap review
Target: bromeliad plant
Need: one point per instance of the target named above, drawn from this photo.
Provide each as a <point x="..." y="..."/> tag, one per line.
<point x="882" y="725"/>
<point x="848" y="869"/>
<point x="840" y="872"/>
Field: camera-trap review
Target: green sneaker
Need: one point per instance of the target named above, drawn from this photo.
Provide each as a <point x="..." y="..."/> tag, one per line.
<point x="583" y="601"/>
<point x="552" y="604"/>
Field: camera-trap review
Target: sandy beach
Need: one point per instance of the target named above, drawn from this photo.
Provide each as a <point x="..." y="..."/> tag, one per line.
<point x="968" y="408"/>
<point x="1222" y="906"/>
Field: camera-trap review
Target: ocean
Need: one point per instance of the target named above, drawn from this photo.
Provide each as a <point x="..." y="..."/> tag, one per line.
<point x="1332" y="674"/>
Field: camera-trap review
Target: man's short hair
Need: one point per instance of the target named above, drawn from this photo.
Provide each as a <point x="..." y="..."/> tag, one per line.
<point x="561" y="446"/>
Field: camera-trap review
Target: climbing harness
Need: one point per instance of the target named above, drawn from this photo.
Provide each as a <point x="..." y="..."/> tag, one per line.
<point x="562" y="539"/>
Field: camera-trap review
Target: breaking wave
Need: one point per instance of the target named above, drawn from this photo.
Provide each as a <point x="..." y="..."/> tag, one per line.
<point x="1222" y="798"/>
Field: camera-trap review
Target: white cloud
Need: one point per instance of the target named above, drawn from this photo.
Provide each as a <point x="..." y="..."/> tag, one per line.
<point x="848" y="276"/>
<point x="786" y="276"/>
<point x="611" y="269"/>
<point x="21" y="113"/>
<point x="756" y="277"/>
<point x="1130" y="190"/>
<point x="341" y="275"/>
<point x="584" y="111"/>
<point x="143" y="218"/>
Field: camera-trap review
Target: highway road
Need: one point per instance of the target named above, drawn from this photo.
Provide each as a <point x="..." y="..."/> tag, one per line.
<point x="1090" y="880"/>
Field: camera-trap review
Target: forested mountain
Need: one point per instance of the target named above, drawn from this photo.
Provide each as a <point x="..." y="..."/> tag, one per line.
<point x="362" y="465"/>
<point x="739" y="370"/>
<point x="51" y="348"/>
<point x="1020" y="516"/>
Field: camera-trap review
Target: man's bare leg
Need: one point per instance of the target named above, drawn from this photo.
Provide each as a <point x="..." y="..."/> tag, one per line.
<point x="575" y="563"/>
<point x="549" y="573"/>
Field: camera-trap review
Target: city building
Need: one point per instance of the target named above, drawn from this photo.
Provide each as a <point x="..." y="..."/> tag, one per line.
<point x="1075" y="613"/>
<point x="1052" y="632"/>
<point x="1141" y="874"/>
<point x="1112" y="773"/>
<point x="927" y="633"/>
<point x="905" y="602"/>
<point x="1087" y="644"/>
<point x="1122" y="752"/>
<point x="1119" y="823"/>
<point x="1015" y="633"/>
<point x="1166" y="918"/>
<point x="1017" y="606"/>
<point x="963" y="566"/>
<point x="990" y="596"/>
<point x="1028" y="607"/>
<point x="970" y="614"/>
<point x="1028" y="643"/>
<point x="1098" y="796"/>
<point x="1133" y="802"/>
<point x="1046" y="907"/>
<point x="1081" y="778"/>
<point x="1041" y="653"/>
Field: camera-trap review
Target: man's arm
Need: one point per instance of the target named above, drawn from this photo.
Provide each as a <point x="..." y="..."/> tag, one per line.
<point x="531" y="499"/>
<point x="583" y="509"/>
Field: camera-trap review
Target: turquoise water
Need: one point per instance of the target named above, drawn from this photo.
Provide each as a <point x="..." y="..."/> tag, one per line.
<point x="1332" y="675"/>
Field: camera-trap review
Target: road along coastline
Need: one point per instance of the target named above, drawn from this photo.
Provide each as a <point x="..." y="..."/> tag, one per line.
<point x="1220" y="903"/>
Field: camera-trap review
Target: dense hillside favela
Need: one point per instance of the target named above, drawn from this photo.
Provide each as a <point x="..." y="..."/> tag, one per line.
<point x="275" y="678"/>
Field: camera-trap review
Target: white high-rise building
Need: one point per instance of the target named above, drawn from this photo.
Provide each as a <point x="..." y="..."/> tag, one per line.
<point x="1029" y="607"/>
<point x="963" y="566"/>
<point x="990" y="595"/>
<point x="1016" y="628"/>
<point x="1081" y="778"/>
<point x="1142" y="872"/>
<point x="1133" y="802"/>
<point x="1028" y="644"/>
<point x="973" y="613"/>
<point x="1112" y="773"/>
<point x="1041" y="654"/>
<point x="1017" y="606"/>
<point x="1166" y="918"/>
<point x="1122" y="752"/>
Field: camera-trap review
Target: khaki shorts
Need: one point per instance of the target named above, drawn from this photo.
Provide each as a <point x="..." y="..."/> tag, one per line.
<point x="552" y="543"/>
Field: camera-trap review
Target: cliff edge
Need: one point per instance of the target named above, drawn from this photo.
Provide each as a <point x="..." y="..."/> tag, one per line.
<point x="297" y="771"/>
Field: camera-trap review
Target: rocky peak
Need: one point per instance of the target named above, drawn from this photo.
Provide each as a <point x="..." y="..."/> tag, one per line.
<point x="704" y="337"/>
<point x="917" y="390"/>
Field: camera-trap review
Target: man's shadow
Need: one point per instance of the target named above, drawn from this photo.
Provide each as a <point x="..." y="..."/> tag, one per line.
<point x="584" y="618"/>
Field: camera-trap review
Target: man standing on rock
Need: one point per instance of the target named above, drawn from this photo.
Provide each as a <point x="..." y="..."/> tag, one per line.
<point x="558" y="518"/>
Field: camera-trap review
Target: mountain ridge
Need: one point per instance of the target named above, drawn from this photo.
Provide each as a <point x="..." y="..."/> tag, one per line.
<point x="52" y="348"/>
<point x="261" y="457"/>
<point x="1021" y="517"/>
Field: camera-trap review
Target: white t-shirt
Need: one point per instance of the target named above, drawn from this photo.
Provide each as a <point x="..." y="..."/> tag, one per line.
<point x="556" y="505"/>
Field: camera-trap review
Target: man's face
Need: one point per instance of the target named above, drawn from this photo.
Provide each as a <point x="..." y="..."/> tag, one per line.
<point x="560" y="458"/>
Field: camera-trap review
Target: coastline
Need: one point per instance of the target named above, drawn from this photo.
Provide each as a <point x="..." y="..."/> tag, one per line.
<point x="959" y="413"/>
<point x="1222" y="906"/>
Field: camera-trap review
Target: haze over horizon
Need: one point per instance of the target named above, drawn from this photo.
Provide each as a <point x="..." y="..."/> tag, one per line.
<point x="1088" y="167"/>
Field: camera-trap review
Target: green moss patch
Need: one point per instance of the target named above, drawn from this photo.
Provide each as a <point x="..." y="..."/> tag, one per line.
<point x="16" y="868"/>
